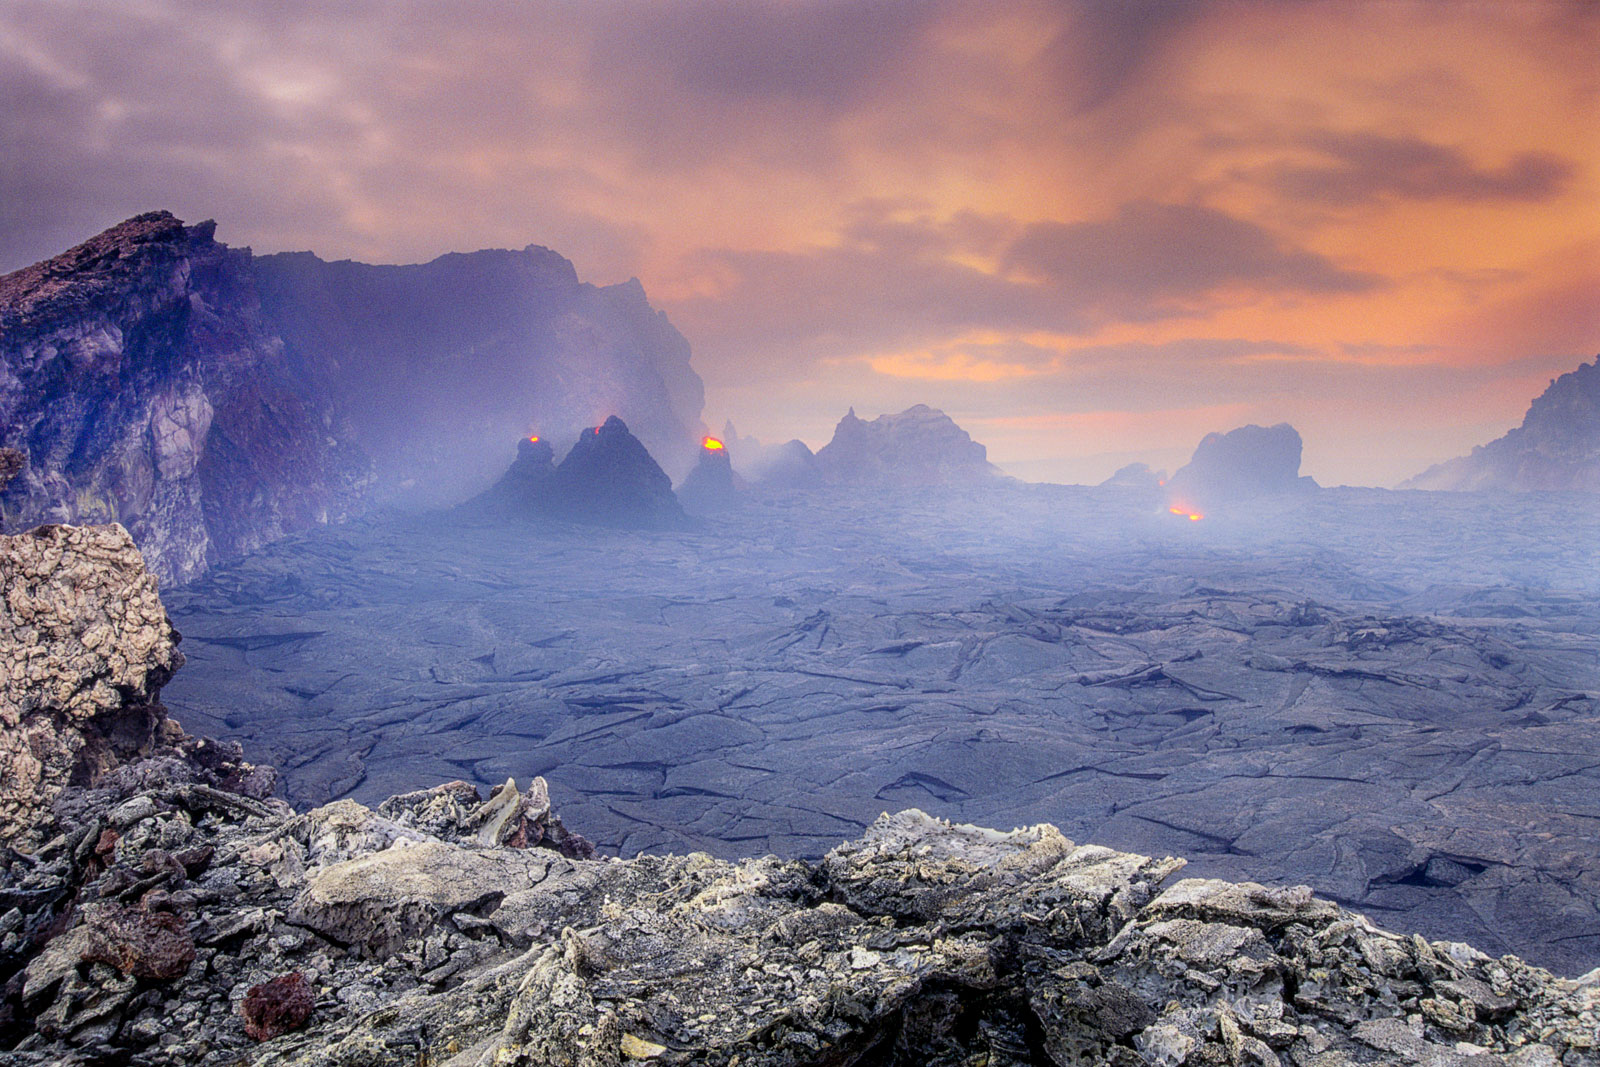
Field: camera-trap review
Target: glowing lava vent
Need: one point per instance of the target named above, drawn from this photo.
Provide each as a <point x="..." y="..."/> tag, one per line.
<point x="711" y="444"/>
<point x="1180" y="509"/>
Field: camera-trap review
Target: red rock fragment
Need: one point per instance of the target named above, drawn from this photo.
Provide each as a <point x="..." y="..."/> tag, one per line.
<point x="273" y="1008"/>
<point x="143" y="944"/>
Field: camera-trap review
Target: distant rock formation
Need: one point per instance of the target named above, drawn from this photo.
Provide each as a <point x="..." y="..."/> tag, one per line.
<point x="169" y="911"/>
<point x="212" y="401"/>
<point x="1556" y="447"/>
<point x="919" y="446"/>
<point x="436" y="364"/>
<point x="1137" y="476"/>
<point x="791" y="465"/>
<point x="526" y="482"/>
<point x="712" y="485"/>
<point x="1242" y="464"/>
<point x="610" y="479"/>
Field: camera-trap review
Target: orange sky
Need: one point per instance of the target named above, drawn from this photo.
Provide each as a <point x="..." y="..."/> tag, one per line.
<point x="1090" y="231"/>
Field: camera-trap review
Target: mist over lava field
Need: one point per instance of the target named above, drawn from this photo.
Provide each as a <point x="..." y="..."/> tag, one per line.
<point x="1389" y="696"/>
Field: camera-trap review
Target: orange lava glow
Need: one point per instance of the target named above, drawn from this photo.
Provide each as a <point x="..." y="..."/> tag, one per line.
<point x="711" y="444"/>
<point x="1192" y="516"/>
<point x="533" y="438"/>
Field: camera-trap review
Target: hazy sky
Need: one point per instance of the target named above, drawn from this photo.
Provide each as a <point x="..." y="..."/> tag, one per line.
<point x="1090" y="231"/>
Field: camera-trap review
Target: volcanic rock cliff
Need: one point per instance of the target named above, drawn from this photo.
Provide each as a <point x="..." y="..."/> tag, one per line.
<point x="1556" y="447"/>
<point x="140" y="384"/>
<point x="918" y="446"/>
<point x="212" y="401"/>
<point x="170" y="912"/>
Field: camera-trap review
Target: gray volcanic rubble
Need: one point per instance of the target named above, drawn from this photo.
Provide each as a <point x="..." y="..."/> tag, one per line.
<point x="918" y="446"/>
<point x="170" y="912"/>
<point x="212" y="401"/>
<point x="1390" y="697"/>
<point x="1556" y="447"/>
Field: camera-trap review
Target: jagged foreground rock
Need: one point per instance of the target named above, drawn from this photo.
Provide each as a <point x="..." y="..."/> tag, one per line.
<point x="921" y="943"/>
<point x="171" y="912"/>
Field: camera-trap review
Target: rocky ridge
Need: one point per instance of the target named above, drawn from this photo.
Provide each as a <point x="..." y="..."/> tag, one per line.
<point x="172" y="912"/>
<point x="1556" y="447"/>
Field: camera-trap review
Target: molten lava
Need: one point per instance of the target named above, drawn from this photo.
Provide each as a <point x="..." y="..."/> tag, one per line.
<point x="534" y="438"/>
<point x="1192" y="516"/>
<point x="711" y="444"/>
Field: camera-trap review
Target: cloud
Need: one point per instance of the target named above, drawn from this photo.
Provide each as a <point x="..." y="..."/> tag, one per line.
<point x="896" y="283"/>
<point x="1155" y="260"/>
<point x="1365" y="167"/>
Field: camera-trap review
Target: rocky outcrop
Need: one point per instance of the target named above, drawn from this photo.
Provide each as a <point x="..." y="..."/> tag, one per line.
<point x="1240" y="465"/>
<point x="85" y="647"/>
<point x="212" y="401"/>
<point x="1556" y="447"/>
<point x="174" y="913"/>
<point x="918" y="446"/>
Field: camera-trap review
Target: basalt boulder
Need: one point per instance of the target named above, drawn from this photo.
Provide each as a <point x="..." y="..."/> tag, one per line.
<point x="85" y="647"/>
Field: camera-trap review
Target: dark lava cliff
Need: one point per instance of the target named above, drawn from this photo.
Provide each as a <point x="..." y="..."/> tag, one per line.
<point x="212" y="401"/>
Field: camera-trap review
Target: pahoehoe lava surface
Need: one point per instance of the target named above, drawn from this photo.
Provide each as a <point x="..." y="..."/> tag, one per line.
<point x="1392" y="697"/>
